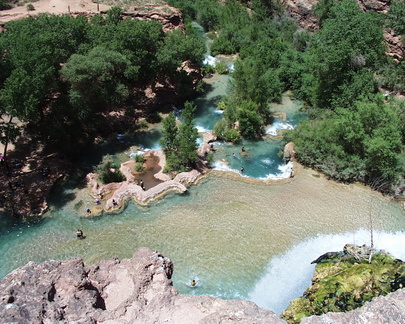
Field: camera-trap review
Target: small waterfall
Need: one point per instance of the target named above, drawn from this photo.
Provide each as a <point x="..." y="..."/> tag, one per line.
<point x="287" y="276"/>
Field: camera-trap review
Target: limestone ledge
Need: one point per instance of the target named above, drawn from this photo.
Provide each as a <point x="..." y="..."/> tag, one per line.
<point x="129" y="189"/>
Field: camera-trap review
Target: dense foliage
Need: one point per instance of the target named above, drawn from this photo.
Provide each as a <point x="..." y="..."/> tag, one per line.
<point x="5" y="4"/>
<point x="343" y="283"/>
<point x="261" y="37"/>
<point x="396" y="16"/>
<point x="62" y="74"/>
<point x="180" y="143"/>
<point x="108" y="171"/>
<point x="361" y="143"/>
<point x="352" y="134"/>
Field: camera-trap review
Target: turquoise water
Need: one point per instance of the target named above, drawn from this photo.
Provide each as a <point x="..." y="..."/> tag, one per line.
<point x="240" y="238"/>
<point x="235" y="237"/>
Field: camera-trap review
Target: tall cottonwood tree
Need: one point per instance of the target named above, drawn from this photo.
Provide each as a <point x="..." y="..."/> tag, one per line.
<point x="342" y="55"/>
<point x="180" y="143"/>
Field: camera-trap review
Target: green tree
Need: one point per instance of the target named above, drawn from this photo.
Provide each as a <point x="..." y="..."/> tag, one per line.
<point x="188" y="136"/>
<point x="349" y="42"/>
<point x="177" y="48"/>
<point x="322" y="9"/>
<point x="396" y="16"/>
<point x="362" y="143"/>
<point x="250" y="120"/>
<point x="169" y="140"/>
<point x="180" y="143"/>
<point x="114" y="15"/>
<point x="96" y="79"/>
<point x="17" y="100"/>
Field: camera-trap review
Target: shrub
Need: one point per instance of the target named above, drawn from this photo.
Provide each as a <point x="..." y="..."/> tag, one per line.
<point x="221" y="105"/>
<point x="207" y="70"/>
<point x="209" y="158"/>
<point x="232" y="135"/>
<point x="143" y="124"/>
<point x="221" y="45"/>
<point x="200" y="87"/>
<point x="154" y="118"/>
<point x="139" y="167"/>
<point x="108" y="172"/>
<point x="139" y="158"/>
<point x="221" y="68"/>
<point x="30" y="7"/>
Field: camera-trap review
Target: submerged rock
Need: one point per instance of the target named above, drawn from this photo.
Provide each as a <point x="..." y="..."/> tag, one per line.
<point x="344" y="281"/>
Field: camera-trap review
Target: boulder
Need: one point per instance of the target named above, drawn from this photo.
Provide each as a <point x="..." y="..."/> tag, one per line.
<point x="136" y="290"/>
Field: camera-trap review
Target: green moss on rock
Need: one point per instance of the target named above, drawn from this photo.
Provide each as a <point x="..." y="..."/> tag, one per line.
<point x="345" y="280"/>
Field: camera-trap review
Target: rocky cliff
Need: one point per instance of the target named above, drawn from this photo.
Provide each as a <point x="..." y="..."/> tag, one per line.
<point x="139" y="290"/>
<point x="136" y="290"/>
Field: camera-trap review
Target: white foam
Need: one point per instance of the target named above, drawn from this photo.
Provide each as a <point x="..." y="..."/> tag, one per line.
<point x="201" y="129"/>
<point x="276" y="126"/>
<point x="200" y="141"/>
<point x="133" y="154"/>
<point x="287" y="276"/>
<point x="210" y="60"/>
<point x="285" y="172"/>
<point x="267" y="161"/>
<point x="224" y="166"/>
<point x="231" y="67"/>
<point x="218" y="111"/>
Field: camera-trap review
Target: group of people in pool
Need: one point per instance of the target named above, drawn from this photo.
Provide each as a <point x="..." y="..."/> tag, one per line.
<point x="243" y="151"/>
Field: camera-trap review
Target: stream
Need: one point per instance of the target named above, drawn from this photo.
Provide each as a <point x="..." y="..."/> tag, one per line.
<point x="238" y="236"/>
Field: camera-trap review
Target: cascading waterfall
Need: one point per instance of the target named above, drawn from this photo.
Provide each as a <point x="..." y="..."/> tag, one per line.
<point x="288" y="275"/>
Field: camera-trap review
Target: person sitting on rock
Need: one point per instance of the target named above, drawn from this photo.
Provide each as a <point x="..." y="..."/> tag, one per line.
<point x="114" y="203"/>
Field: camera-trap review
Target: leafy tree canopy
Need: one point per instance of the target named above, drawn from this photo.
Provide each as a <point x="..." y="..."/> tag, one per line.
<point x="396" y="16"/>
<point x="362" y="143"/>
<point x="180" y="143"/>
<point x="349" y="42"/>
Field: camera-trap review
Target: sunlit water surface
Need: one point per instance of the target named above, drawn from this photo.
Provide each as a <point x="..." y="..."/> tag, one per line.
<point x="240" y="239"/>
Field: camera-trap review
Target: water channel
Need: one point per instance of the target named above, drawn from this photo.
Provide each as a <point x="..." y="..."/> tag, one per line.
<point x="240" y="236"/>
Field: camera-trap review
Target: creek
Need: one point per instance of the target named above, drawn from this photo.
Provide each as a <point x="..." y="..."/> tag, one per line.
<point x="238" y="236"/>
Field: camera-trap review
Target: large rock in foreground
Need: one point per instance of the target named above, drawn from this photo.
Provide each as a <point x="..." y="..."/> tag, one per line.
<point x="382" y="310"/>
<point x="137" y="290"/>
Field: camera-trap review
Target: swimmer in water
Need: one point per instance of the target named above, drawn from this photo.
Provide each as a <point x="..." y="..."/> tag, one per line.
<point x="193" y="283"/>
<point x="79" y="233"/>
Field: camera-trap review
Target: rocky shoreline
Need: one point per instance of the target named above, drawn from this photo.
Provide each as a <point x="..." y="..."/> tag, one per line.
<point x="111" y="197"/>
<point x="140" y="290"/>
